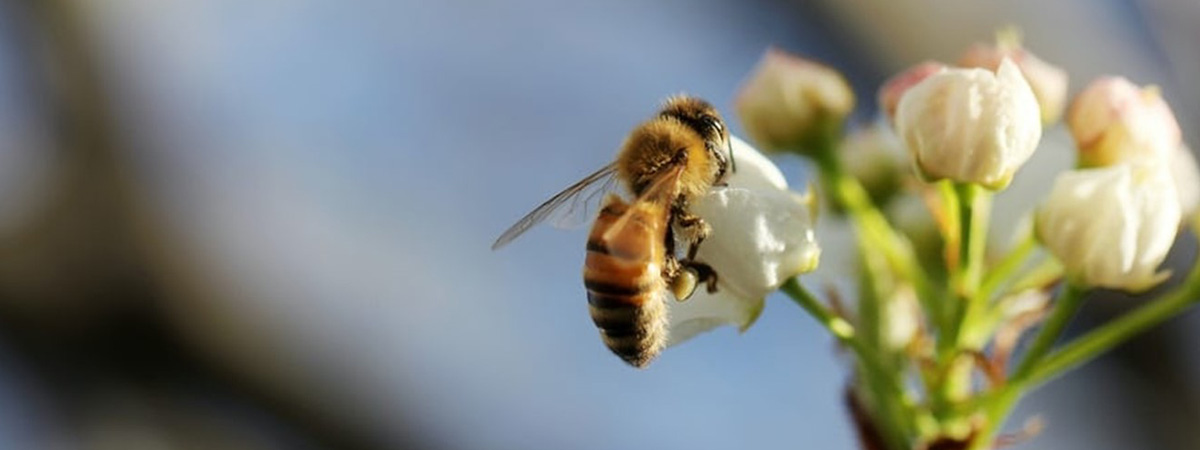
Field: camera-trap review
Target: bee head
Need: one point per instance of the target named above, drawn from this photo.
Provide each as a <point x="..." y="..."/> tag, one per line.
<point x="704" y="119"/>
<point x="697" y="114"/>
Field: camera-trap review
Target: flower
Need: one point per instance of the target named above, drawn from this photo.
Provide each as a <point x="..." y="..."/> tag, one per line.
<point x="762" y="235"/>
<point x="1111" y="226"/>
<point x="970" y="125"/>
<point x="875" y="157"/>
<point x="1049" y="82"/>
<point x="790" y="103"/>
<point x="1186" y="175"/>
<point x="1114" y="121"/>
<point x="895" y="87"/>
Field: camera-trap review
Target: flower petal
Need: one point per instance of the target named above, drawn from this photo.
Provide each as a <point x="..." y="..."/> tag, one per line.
<point x="762" y="235"/>
<point x="1186" y="174"/>
<point x="1111" y="226"/>
<point x="754" y="169"/>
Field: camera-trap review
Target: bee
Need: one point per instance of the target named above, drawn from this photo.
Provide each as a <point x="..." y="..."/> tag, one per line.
<point x="666" y="162"/>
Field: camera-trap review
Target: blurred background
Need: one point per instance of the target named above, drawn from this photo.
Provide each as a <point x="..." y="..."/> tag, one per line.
<point x="265" y="225"/>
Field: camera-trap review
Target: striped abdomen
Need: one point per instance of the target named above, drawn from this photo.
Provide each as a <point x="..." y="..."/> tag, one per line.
<point x="623" y="276"/>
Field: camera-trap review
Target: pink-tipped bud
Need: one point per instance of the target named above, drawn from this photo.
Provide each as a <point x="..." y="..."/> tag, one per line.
<point x="1049" y="82"/>
<point x="1114" y="121"/>
<point x="897" y="85"/>
<point x="790" y="102"/>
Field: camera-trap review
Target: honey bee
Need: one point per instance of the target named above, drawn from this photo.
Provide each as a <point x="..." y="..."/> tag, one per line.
<point x="666" y="162"/>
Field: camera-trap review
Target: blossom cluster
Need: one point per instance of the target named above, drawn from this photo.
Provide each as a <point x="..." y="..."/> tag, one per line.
<point x="937" y="305"/>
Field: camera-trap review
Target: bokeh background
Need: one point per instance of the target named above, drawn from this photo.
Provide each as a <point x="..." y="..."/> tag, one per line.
<point x="265" y="224"/>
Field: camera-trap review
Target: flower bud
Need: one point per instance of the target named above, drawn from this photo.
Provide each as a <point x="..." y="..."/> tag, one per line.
<point x="1111" y="226"/>
<point x="970" y="125"/>
<point x="762" y="235"/>
<point x="1114" y="121"/>
<point x="875" y="156"/>
<point x="1049" y="83"/>
<point x="897" y="85"/>
<point x="790" y="103"/>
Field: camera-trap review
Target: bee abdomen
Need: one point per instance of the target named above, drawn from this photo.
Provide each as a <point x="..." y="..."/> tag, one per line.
<point x="623" y="276"/>
<point x="632" y="321"/>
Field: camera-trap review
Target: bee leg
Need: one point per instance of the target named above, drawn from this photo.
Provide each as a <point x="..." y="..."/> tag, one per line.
<point x="704" y="273"/>
<point x="694" y="229"/>
<point x="671" y="268"/>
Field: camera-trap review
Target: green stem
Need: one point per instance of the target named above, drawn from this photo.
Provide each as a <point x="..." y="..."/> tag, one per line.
<point x="1005" y="268"/>
<point x="1111" y="334"/>
<point x="898" y="422"/>
<point x="995" y="311"/>
<point x="1088" y="347"/>
<point x="1065" y="307"/>
<point x="976" y="207"/>
<point x="871" y="301"/>
<point x="976" y="204"/>
<point x="1041" y="276"/>
<point x="874" y="231"/>
<point x="973" y="209"/>
<point x="997" y="409"/>
<point x="837" y="326"/>
<point x="953" y="239"/>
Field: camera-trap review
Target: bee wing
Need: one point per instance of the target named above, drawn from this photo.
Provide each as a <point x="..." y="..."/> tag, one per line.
<point x="566" y="209"/>
<point x="583" y="204"/>
<point x="661" y="192"/>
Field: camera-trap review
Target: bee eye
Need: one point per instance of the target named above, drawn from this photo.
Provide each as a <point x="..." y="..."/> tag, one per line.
<point x="711" y="122"/>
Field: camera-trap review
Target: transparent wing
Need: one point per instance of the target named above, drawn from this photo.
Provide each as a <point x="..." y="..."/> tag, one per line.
<point x="661" y="192"/>
<point x="583" y="204"/>
<point x="567" y="208"/>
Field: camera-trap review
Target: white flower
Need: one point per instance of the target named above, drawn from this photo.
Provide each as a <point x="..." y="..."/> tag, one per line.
<point x="789" y="102"/>
<point x="762" y="235"/>
<point x="970" y="125"/>
<point x="1186" y="174"/>
<point x="1114" y="121"/>
<point x="1112" y="226"/>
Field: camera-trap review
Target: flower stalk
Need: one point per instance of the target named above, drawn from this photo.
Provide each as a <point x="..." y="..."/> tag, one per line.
<point x="874" y="230"/>
<point x="883" y="387"/>
<point x="1004" y="269"/>
<point x="1037" y="370"/>
<point x="1065" y="307"/>
<point x="837" y="326"/>
<point x="1090" y="345"/>
<point x="976" y="205"/>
